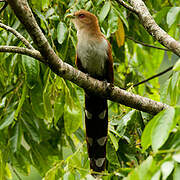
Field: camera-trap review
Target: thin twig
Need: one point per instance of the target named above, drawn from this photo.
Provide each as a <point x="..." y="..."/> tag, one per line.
<point x="14" y="49"/>
<point x="147" y="45"/>
<point x="15" y="172"/>
<point x="159" y="74"/>
<point x="126" y="6"/>
<point x="17" y="34"/>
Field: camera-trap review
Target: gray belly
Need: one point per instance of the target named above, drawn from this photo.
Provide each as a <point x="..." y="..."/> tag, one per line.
<point x="93" y="58"/>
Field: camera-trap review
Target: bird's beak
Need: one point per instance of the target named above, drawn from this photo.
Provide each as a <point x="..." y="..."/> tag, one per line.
<point x="70" y="16"/>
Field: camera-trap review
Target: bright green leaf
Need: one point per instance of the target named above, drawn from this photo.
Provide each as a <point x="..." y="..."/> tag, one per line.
<point x="177" y="66"/>
<point x="163" y="126"/>
<point x="147" y="133"/>
<point x="156" y="176"/>
<point x="114" y="140"/>
<point x="113" y="21"/>
<point x="104" y="11"/>
<point x="72" y="117"/>
<point x="172" y="15"/>
<point x="176" y="174"/>
<point x="47" y="107"/>
<point x="166" y="169"/>
<point x="176" y="157"/>
<point x="61" y="32"/>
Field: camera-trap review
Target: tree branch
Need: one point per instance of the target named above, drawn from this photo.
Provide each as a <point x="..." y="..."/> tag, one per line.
<point x="147" y="45"/>
<point x="153" y="29"/>
<point x="126" y="6"/>
<point x="103" y="89"/>
<point x="29" y="52"/>
<point x="152" y="77"/>
<point x="17" y="34"/>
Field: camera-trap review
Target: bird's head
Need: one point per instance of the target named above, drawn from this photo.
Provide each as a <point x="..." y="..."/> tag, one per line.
<point x="83" y="19"/>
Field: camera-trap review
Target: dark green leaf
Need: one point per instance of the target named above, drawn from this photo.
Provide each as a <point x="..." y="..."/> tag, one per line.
<point x="17" y="137"/>
<point x="37" y="101"/>
<point x="33" y="131"/>
<point x="23" y="97"/>
<point x="31" y="69"/>
<point x="7" y="120"/>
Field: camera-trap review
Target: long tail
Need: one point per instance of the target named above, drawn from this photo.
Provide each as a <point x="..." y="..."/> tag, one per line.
<point x="96" y="120"/>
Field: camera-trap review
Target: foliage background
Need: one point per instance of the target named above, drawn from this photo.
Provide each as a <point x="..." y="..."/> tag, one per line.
<point x="41" y="114"/>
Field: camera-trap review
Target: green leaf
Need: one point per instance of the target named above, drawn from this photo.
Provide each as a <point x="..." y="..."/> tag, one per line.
<point x="176" y="174"/>
<point x="7" y="120"/>
<point x="177" y="66"/>
<point x="114" y="140"/>
<point x="144" y="170"/>
<point x="172" y="15"/>
<point x="113" y="21"/>
<point x="147" y="133"/>
<point x="163" y="126"/>
<point x="31" y="69"/>
<point x="61" y="32"/>
<point x="45" y="4"/>
<point x="33" y="131"/>
<point x="17" y="137"/>
<point x="23" y="97"/>
<point x="72" y="117"/>
<point x="20" y="163"/>
<point x="104" y="11"/>
<point x="48" y="107"/>
<point x="122" y="17"/>
<point x="176" y="157"/>
<point x="166" y="169"/>
<point x="160" y="15"/>
<point x="51" y="174"/>
<point x="156" y="176"/>
<point x="124" y="121"/>
<point x="59" y="107"/>
<point x="36" y="96"/>
<point x="111" y="154"/>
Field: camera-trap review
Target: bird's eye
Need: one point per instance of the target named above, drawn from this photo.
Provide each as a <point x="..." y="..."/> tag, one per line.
<point x="81" y="16"/>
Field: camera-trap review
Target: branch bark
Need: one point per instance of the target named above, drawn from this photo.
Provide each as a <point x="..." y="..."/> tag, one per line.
<point x="153" y="29"/>
<point x="147" y="45"/>
<point x="29" y="52"/>
<point x="24" y="14"/>
<point x="17" y="34"/>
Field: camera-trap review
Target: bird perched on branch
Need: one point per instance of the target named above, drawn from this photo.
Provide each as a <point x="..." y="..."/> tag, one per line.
<point x="94" y="57"/>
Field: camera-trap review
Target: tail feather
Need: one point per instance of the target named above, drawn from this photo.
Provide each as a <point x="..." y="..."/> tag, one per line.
<point x="96" y="120"/>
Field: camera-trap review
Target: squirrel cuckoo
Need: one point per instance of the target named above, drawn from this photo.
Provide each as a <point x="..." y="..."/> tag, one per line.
<point x="94" y="57"/>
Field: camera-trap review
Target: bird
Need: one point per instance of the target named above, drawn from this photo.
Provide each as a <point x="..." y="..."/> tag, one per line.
<point x="94" y="57"/>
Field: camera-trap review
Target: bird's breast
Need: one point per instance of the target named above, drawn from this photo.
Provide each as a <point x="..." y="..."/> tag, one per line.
<point x="93" y="56"/>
